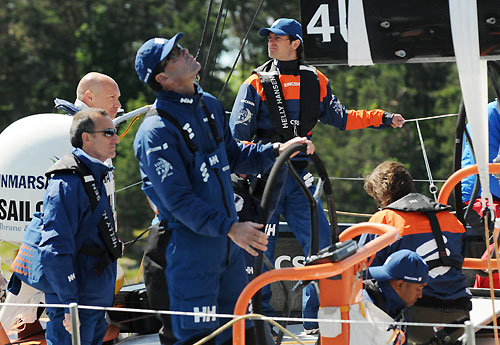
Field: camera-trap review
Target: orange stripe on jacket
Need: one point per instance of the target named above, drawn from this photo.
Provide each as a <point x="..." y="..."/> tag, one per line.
<point x="290" y="85"/>
<point x="412" y="223"/>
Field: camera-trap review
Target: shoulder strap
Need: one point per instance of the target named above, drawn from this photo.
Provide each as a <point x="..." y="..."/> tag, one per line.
<point x="105" y="225"/>
<point x="185" y="134"/>
<point x="278" y="112"/>
<point x="276" y="103"/>
<point x="309" y="98"/>
<point x="211" y="122"/>
<point x="444" y="259"/>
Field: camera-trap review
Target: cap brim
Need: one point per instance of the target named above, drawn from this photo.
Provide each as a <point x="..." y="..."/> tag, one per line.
<point x="379" y="273"/>
<point x="266" y="31"/>
<point x="168" y="47"/>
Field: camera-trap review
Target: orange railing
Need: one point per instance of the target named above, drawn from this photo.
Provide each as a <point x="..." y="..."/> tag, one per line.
<point x="444" y="195"/>
<point x="388" y="235"/>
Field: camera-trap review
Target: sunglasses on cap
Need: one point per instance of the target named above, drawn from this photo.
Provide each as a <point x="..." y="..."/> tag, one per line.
<point x="108" y="132"/>
<point x="174" y="53"/>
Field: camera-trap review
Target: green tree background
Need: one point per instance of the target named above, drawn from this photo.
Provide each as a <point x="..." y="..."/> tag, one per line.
<point x="48" y="45"/>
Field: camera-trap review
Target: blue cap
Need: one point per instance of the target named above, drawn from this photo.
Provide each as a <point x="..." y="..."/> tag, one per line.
<point x="402" y="265"/>
<point x="282" y="27"/>
<point x="151" y="53"/>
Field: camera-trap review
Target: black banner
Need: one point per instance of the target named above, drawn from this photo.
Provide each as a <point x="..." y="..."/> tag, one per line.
<point x="399" y="31"/>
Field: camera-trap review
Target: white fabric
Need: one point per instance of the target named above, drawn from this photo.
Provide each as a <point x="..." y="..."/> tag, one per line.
<point x="375" y="332"/>
<point x="358" y="46"/>
<point x="12" y="316"/>
<point x="472" y="73"/>
<point x="329" y="329"/>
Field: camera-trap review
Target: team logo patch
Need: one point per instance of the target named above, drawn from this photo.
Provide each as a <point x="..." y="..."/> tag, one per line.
<point x="163" y="168"/>
<point x="244" y="116"/>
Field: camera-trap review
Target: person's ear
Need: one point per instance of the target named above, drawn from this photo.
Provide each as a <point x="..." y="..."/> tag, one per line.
<point x="88" y="95"/>
<point x="397" y="284"/>
<point x="161" y="77"/>
<point x="85" y="137"/>
<point x="295" y="44"/>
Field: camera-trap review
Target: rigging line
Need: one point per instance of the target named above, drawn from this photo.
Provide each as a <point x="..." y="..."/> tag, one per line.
<point x="241" y="49"/>
<point x="127" y="187"/>
<point x="218" y="49"/>
<point x="204" y="73"/>
<point x="204" y="29"/>
<point x="330" y="178"/>
<point x="430" y="117"/>
<point x="362" y="179"/>
<point x="432" y="187"/>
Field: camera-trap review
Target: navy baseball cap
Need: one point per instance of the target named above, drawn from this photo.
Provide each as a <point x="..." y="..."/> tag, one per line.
<point x="282" y="27"/>
<point x="151" y="53"/>
<point x="402" y="265"/>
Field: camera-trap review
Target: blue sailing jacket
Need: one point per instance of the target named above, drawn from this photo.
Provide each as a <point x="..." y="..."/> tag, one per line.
<point x="66" y="207"/>
<point x="493" y="147"/>
<point x="194" y="190"/>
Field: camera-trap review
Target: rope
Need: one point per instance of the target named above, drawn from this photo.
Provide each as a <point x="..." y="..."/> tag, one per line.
<point x="204" y="73"/>
<point x="490" y="273"/>
<point x="353" y="214"/>
<point x="249" y="316"/>
<point x="129" y="186"/>
<point x="430" y="118"/>
<point x="432" y="187"/>
<point x="241" y="49"/>
<point x="212" y="68"/>
<point x="129" y="126"/>
<point x="204" y="29"/>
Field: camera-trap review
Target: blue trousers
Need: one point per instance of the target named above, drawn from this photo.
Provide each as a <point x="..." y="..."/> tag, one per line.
<point x="204" y="274"/>
<point x="294" y="207"/>
<point x="92" y="329"/>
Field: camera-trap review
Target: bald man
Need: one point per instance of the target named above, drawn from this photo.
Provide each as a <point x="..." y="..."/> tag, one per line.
<point x="97" y="90"/>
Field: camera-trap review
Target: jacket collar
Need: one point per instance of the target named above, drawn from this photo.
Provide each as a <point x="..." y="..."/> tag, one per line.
<point x="97" y="168"/>
<point x="174" y="97"/>
<point x="393" y="303"/>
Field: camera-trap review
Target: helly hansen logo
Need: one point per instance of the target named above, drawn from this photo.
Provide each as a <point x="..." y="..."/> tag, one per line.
<point x="204" y="172"/>
<point x="187" y="128"/>
<point x="210" y="311"/>
<point x="186" y="100"/>
<point x="71" y="277"/>
<point x="270" y="229"/>
<point x="213" y="160"/>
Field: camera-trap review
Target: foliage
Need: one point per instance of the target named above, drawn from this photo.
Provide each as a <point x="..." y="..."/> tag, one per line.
<point x="48" y="45"/>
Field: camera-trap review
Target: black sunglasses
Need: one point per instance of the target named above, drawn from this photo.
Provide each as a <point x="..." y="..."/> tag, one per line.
<point x="109" y="132"/>
<point x="174" y="53"/>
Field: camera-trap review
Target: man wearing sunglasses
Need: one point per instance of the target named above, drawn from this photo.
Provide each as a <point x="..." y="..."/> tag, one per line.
<point x="80" y="245"/>
<point x="186" y="154"/>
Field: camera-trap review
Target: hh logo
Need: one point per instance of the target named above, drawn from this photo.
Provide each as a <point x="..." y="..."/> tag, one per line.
<point x="71" y="277"/>
<point x="213" y="160"/>
<point x="270" y="229"/>
<point x="208" y="311"/>
<point x="186" y="100"/>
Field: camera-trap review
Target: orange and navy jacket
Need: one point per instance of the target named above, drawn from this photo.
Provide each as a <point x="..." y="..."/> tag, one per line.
<point x="445" y="283"/>
<point x="250" y="112"/>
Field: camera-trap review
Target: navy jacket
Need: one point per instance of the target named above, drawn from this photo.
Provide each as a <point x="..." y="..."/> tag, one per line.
<point x="194" y="190"/>
<point x="66" y="207"/>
